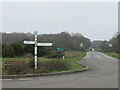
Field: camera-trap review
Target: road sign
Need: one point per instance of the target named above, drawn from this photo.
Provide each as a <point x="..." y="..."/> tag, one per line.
<point x="36" y="44"/>
<point x="29" y="42"/>
<point x="60" y="49"/>
<point x="110" y="45"/>
<point x="81" y="45"/>
<point x="44" y="44"/>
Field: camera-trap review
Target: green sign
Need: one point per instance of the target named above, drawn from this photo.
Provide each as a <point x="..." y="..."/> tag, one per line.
<point x="60" y="49"/>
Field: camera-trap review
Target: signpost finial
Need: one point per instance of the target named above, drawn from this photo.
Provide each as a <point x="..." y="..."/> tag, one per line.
<point x="35" y="32"/>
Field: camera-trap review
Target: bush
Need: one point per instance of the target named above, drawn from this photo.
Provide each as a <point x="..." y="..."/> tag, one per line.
<point x="55" y="54"/>
<point x="43" y="51"/>
<point x="53" y="65"/>
<point x="28" y="55"/>
<point x="14" y="69"/>
<point x="31" y="64"/>
<point x="8" y="51"/>
<point x="18" y="48"/>
<point x="29" y="49"/>
<point x="43" y="67"/>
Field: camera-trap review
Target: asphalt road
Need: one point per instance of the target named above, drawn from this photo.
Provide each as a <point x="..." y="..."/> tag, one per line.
<point x="103" y="73"/>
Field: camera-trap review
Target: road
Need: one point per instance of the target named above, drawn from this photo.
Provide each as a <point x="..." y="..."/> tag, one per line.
<point x="103" y="73"/>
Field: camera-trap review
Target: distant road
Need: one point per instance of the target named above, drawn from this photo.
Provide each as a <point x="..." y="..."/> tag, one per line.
<point x="103" y="73"/>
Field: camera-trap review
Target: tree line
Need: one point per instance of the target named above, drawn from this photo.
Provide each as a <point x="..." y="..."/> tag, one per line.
<point x="17" y="50"/>
<point x="104" y="45"/>
<point x="12" y="43"/>
<point x="115" y="40"/>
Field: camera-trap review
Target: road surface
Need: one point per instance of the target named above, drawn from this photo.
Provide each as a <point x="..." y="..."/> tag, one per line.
<point x="103" y="73"/>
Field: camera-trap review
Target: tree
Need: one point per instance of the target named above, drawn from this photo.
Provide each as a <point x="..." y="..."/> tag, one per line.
<point x="105" y="46"/>
<point x="29" y="49"/>
<point x="8" y="51"/>
<point x="60" y="40"/>
<point x="43" y="51"/>
<point x="18" y="48"/>
<point x="115" y="42"/>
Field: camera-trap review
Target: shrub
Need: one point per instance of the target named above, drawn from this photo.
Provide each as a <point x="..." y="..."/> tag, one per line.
<point x="18" y="48"/>
<point x="28" y="55"/>
<point x="58" y="65"/>
<point x="29" y="49"/>
<point x="53" y="65"/>
<point x="8" y="51"/>
<point x="43" y="51"/>
<point x="43" y="67"/>
<point x="31" y="64"/>
<point x="14" y="69"/>
<point x="55" y="54"/>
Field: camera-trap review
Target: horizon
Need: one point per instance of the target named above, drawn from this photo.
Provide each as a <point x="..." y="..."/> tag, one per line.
<point x="55" y="33"/>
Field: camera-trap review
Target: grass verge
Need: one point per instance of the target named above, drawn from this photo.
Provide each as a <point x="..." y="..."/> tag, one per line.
<point x="113" y="54"/>
<point x="71" y="57"/>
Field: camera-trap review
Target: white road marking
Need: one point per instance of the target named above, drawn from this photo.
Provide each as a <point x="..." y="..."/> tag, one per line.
<point x="58" y="78"/>
<point x="87" y="78"/>
<point x="26" y="79"/>
<point x="98" y="56"/>
<point x="7" y="79"/>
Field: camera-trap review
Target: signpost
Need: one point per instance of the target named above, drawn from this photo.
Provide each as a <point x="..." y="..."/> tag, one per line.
<point x="62" y="50"/>
<point x="110" y="46"/>
<point x="36" y="44"/>
<point x="81" y="45"/>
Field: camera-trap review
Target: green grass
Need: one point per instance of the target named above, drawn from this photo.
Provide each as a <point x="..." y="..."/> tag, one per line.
<point x="73" y="54"/>
<point x="113" y="54"/>
<point x="77" y="56"/>
<point x="71" y="57"/>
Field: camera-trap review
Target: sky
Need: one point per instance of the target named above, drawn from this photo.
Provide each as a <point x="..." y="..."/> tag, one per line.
<point x="94" y="20"/>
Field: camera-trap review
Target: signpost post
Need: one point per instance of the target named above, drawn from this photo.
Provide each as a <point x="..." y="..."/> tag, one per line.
<point x="36" y="44"/>
<point x="62" y="50"/>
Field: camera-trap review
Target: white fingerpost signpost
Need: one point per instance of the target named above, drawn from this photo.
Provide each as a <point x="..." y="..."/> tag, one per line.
<point x="110" y="45"/>
<point x="81" y="44"/>
<point x="36" y="44"/>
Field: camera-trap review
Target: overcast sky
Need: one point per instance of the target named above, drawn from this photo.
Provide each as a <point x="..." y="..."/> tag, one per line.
<point x="96" y="21"/>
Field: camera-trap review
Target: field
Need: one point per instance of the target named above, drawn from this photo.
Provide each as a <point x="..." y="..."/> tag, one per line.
<point x="113" y="54"/>
<point x="71" y="57"/>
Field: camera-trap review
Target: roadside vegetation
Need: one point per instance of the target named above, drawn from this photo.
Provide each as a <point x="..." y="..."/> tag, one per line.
<point x="110" y="47"/>
<point x="113" y="54"/>
<point x="45" y="64"/>
<point x="17" y="58"/>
